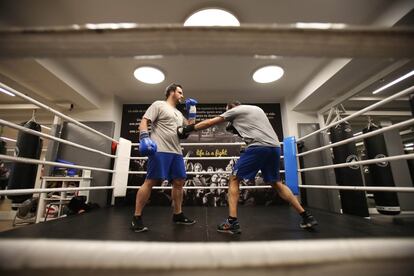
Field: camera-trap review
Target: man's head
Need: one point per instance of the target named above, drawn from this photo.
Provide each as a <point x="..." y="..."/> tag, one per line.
<point x="232" y="104"/>
<point x="174" y="90"/>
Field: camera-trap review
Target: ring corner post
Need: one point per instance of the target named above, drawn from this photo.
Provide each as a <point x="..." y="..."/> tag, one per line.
<point x="121" y="168"/>
<point x="291" y="165"/>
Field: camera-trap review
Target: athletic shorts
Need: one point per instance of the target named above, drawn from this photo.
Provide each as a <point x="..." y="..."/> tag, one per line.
<point x="165" y="165"/>
<point x="257" y="158"/>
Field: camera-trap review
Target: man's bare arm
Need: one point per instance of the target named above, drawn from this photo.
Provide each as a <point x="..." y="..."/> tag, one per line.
<point x="209" y="123"/>
<point x="143" y="126"/>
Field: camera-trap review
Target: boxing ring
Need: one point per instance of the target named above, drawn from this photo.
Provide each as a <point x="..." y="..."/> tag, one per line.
<point x="101" y="242"/>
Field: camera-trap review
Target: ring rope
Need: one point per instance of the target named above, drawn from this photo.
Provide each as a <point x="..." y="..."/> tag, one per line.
<point x="49" y="190"/>
<point x="359" y="137"/>
<point x="5" y="139"/>
<point x="206" y="144"/>
<point x="47" y="136"/>
<point x="41" y="162"/>
<point x="195" y="173"/>
<point x="57" y="113"/>
<point x="203" y="187"/>
<point x="199" y="158"/>
<point x="361" y="188"/>
<point x="362" y="111"/>
<point x="364" y="162"/>
<point x="27" y="256"/>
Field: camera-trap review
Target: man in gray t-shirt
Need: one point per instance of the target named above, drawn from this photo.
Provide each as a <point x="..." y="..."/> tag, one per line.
<point x="262" y="153"/>
<point x="165" y="159"/>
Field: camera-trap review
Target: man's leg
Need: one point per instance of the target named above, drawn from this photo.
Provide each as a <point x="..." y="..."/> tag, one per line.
<point x="143" y="195"/>
<point x="231" y="224"/>
<point x="234" y="194"/>
<point x="286" y="194"/>
<point x="177" y="198"/>
<point x="177" y="195"/>
<point x="308" y="221"/>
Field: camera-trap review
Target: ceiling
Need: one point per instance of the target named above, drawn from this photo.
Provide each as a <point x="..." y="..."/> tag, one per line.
<point x="84" y="82"/>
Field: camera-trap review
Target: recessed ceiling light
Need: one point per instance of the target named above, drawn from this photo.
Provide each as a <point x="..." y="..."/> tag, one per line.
<point x="268" y="74"/>
<point x="212" y="17"/>
<point x="149" y="75"/>
<point x="2" y="90"/>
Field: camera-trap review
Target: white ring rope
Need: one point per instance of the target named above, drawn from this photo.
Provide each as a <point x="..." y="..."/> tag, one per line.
<point x="196" y="173"/>
<point x="362" y="111"/>
<point x="241" y="187"/>
<point x="194" y="158"/>
<point x="364" y="162"/>
<point x="361" y="188"/>
<point x="57" y="113"/>
<point x="206" y="144"/>
<point x="210" y="144"/>
<point x="40" y="162"/>
<point x="298" y="257"/>
<point x="47" y="136"/>
<point x="200" y="158"/>
<point x="359" y="137"/>
<point x="49" y="190"/>
<point x="5" y="139"/>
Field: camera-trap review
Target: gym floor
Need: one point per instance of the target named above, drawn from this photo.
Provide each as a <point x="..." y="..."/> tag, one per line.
<point x="257" y="223"/>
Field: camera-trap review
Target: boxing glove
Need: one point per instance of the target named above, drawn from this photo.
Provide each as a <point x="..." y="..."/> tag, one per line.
<point x="184" y="131"/>
<point x="190" y="105"/>
<point x="230" y="128"/>
<point x="147" y="147"/>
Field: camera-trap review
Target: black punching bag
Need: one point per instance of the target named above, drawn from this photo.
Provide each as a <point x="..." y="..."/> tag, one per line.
<point x="22" y="175"/>
<point x="381" y="174"/>
<point x="353" y="202"/>
<point x="3" y="169"/>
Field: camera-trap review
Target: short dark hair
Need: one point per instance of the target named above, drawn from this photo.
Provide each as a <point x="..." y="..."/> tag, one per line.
<point x="171" y="88"/>
<point x="232" y="104"/>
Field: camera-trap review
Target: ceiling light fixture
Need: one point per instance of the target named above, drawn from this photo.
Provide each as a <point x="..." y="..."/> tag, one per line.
<point x="149" y="57"/>
<point x="212" y="17"/>
<point x="113" y="26"/>
<point x="268" y="74"/>
<point x="317" y="25"/>
<point x="2" y="90"/>
<point x="394" y="82"/>
<point x="149" y="75"/>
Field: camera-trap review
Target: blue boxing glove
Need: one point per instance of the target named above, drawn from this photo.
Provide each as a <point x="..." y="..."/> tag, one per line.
<point x="147" y="147"/>
<point x="190" y="105"/>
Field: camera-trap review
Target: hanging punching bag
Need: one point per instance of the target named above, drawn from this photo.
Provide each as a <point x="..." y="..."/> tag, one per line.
<point x="386" y="202"/>
<point x="411" y="161"/>
<point x="353" y="202"/>
<point x="4" y="172"/>
<point x="22" y="175"/>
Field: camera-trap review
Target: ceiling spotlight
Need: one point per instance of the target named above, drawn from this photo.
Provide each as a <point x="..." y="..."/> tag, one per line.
<point x="212" y="17"/>
<point x="268" y="74"/>
<point x="149" y="75"/>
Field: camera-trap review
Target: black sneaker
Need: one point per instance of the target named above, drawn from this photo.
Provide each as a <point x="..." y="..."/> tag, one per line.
<point x="308" y="221"/>
<point x="182" y="219"/>
<point x="137" y="225"/>
<point x="229" y="227"/>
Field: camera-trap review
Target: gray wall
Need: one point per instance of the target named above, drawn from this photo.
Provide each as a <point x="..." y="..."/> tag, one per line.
<point x="399" y="168"/>
<point x="86" y="138"/>
<point x="318" y="198"/>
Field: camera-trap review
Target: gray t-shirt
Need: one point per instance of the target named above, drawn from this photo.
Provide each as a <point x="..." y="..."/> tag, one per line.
<point x="164" y="122"/>
<point x="253" y="125"/>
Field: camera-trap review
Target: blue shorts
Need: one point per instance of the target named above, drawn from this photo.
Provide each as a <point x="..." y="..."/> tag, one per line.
<point x="165" y="165"/>
<point x="257" y="158"/>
